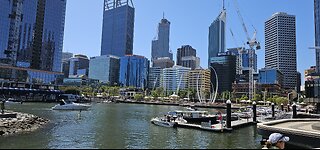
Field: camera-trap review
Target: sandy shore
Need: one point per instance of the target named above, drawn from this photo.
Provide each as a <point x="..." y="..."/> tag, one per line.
<point x="23" y="123"/>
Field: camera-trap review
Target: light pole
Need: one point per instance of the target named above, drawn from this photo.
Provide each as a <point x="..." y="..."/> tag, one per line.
<point x="217" y="84"/>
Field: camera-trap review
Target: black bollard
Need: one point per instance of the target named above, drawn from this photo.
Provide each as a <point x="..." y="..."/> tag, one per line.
<point x="254" y="107"/>
<point x="282" y="107"/>
<point x="288" y="107"/>
<point x="229" y="114"/>
<point x="272" y="108"/>
<point x="294" y="111"/>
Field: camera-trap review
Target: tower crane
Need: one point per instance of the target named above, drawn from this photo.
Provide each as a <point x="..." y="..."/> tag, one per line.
<point x="253" y="45"/>
<point x="240" y="51"/>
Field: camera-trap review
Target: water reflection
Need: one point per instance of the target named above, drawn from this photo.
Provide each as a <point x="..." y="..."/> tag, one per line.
<point x="120" y="126"/>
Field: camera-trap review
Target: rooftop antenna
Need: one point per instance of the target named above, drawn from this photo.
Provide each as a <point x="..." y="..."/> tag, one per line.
<point x="223" y="5"/>
<point x="163" y="15"/>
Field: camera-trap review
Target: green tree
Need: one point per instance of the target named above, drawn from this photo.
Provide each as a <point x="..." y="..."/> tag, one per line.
<point x="257" y="97"/>
<point x="183" y="93"/>
<point x="138" y="97"/>
<point x="244" y="97"/>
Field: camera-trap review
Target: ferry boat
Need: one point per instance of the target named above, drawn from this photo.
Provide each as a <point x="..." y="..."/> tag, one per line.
<point x="195" y="117"/>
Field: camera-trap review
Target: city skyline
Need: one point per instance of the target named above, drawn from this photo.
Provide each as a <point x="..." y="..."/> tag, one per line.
<point x="190" y="30"/>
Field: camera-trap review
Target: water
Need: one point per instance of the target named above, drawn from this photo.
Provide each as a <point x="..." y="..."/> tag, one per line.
<point x="128" y="126"/>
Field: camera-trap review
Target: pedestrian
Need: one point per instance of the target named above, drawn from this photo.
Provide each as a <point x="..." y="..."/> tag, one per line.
<point x="277" y="141"/>
<point x="2" y="106"/>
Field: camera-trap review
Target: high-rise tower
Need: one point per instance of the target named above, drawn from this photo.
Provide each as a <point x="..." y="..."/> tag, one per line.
<point x="280" y="37"/>
<point x="317" y="32"/>
<point x="217" y="36"/>
<point x="160" y="46"/>
<point x="118" y="27"/>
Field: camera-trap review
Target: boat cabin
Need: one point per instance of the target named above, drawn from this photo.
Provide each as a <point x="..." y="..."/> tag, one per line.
<point x="191" y="114"/>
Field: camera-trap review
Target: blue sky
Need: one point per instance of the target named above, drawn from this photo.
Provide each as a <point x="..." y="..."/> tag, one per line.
<point x="190" y="21"/>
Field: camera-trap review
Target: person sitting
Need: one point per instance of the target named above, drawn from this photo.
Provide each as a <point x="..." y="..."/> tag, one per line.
<point x="277" y="141"/>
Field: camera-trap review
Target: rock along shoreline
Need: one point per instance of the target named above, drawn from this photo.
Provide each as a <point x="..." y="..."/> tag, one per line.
<point x="21" y="124"/>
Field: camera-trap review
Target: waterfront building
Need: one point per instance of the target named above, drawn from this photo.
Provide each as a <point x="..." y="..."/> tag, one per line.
<point x="105" y="69"/>
<point x="79" y="65"/>
<point x="66" y="63"/>
<point x="280" y="37"/>
<point x="32" y="37"/>
<point x="244" y="58"/>
<point x="154" y="78"/>
<point x="187" y="57"/>
<point x="134" y="70"/>
<point x="163" y="62"/>
<point x="160" y="45"/>
<point x="66" y="56"/>
<point x="175" y="78"/>
<point x="225" y="66"/>
<point x="118" y="28"/>
<point x="200" y="79"/>
<point x="270" y="76"/>
<point x="79" y="80"/>
<point x="217" y="36"/>
<point x="29" y="75"/>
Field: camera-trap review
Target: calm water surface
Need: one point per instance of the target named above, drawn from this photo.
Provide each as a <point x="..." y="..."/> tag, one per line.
<point x="120" y="126"/>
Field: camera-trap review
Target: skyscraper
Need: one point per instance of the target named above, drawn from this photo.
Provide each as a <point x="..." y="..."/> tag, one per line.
<point x="118" y="27"/>
<point x="160" y="46"/>
<point x="317" y="31"/>
<point x="105" y="69"/>
<point x="134" y="71"/>
<point x="40" y="32"/>
<point x="217" y="37"/>
<point x="187" y="57"/>
<point x="280" y="44"/>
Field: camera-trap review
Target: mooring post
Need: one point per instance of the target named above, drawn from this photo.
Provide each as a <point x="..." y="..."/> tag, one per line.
<point x="229" y="114"/>
<point x="254" y="107"/>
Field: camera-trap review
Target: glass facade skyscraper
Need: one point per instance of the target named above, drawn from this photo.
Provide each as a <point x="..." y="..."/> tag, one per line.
<point x="118" y="27"/>
<point x="160" y="46"/>
<point x="105" y="69"/>
<point x="134" y="71"/>
<point x="280" y="45"/>
<point x="317" y="31"/>
<point x="225" y="66"/>
<point x="217" y="36"/>
<point x="41" y="32"/>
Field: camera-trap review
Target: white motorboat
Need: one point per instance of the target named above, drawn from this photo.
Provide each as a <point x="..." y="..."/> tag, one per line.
<point x="70" y="106"/>
<point x="163" y="122"/>
<point x="168" y="121"/>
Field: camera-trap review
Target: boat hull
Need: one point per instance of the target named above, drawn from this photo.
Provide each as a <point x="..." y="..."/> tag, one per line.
<point x="71" y="107"/>
<point x="163" y="123"/>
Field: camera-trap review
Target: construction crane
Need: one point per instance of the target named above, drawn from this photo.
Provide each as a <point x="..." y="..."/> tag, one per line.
<point x="240" y="51"/>
<point x="254" y="45"/>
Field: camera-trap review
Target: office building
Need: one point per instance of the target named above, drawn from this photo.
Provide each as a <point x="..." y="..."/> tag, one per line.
<point x="317" y="32"/>
<point x="199" y="79"/>
<point x="163" y="62"/>
<point x="105" y="68"/>
<point x="160" y="45"/>
<point x="217" y="36"/>
<point x="154" y="78"/>
<point x="280" y="45"/>
<point x="174" y="79"/>
<point x="31" y="34"/>
<point x="243" y="56"/>
<point x="79" y="66"/>
<point x="118" y="28"/>
<point x="225" y="67"/>
<point x="270" y="76"/>
<point x="134" y="71"/>
<point x="187" y="57"/>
